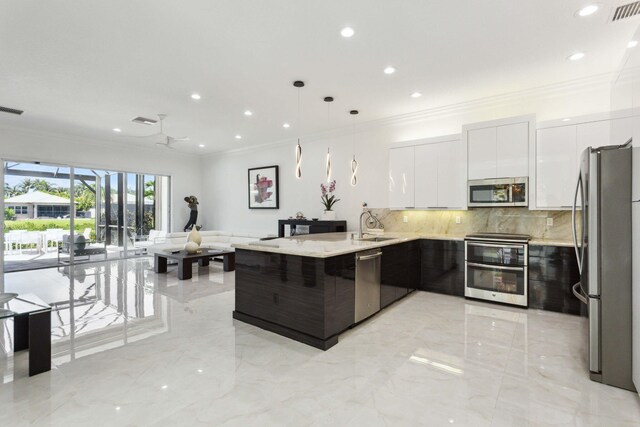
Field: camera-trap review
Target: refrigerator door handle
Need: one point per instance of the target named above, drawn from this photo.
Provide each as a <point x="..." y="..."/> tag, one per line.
<point x="577" y="291"/>
<point x="573" y="223"/>
<point x="594" y="335"/>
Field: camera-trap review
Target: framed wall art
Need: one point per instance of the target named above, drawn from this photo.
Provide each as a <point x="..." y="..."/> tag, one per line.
<point x="263" y="188"/>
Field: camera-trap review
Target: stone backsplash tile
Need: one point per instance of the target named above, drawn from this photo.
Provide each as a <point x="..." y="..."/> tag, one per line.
<point x="502" y="220"/>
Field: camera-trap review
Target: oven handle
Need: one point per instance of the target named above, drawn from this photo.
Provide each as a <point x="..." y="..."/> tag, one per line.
<point x="496" y="267"/>
<point x="495" y="245"/>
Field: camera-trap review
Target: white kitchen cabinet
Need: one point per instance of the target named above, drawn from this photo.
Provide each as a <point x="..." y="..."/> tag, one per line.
<point x="512" y="150"/>
<point x="621" y="130"/>
<point x="426" y="175"/>
<point x="401" y="177"/>
<point x="481" y="146"/>
<point x="593" y="134"/>
<point x="555" y="167"/>
<point x="452" y="177"/>
<point x="559" y="152"/>
<point x="440" y="175"/>
<point x="498" y="149"/>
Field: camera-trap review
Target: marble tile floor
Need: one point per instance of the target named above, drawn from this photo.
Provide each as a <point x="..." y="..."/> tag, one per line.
<point x="135" y="348"/>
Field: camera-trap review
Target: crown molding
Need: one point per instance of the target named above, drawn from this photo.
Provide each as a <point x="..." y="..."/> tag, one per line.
<point x="549" y="90"/>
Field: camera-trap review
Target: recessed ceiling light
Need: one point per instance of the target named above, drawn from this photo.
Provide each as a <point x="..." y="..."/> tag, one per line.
<point x="389" y="70"/>
<point x="286" y="125"/>
<point x="347" y="32"/>
<point x="201" y="145"/>
<point x="195" y="96"/>
<point x="632" y="43"/>
<point x="117" y="130"/>
<point x="588" y="10"/>
<point x="416" y="95"/>
<point x="566" y="120"/>
<point x="248" y="113"/>
<point x="576" y="56"/>
<point x="238" y="136"/>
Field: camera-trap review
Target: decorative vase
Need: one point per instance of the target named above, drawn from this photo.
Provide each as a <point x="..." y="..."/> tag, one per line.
<point x="329" y="215"/>
<point x="194" y="236"/>
<point x="191" y="247"/>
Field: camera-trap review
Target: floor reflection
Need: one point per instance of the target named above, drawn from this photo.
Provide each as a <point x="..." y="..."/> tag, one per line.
<point x="105" y="305"/>
<point x="132" y="347"/>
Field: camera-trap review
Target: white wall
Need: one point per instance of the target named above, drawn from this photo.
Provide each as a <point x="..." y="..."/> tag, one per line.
<point x="184" y="169"/>
<point x="225" y="202"/>
<point x="625" y="94"/>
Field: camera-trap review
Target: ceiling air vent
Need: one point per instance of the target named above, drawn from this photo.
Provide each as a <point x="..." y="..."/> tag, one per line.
<point x="144" y="121"/>
<point x="626" y="11"/>
<point x="11" y="111"/>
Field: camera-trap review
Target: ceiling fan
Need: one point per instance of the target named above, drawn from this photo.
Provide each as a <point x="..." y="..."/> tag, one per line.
<point x="166" y="141"/>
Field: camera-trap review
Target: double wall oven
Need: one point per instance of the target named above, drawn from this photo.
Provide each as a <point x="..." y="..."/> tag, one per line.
<point x="496" y="267"/>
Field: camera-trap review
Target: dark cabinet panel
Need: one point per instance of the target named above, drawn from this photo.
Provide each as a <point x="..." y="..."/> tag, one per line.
<point x="308" y="299"/>
<point x="442" y="266"/>
<point x="340" y="293"/>
<point x="400" y="271"/>
<point x="553" y="270"/>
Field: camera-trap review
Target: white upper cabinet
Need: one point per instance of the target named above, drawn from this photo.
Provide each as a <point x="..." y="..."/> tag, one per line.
<point x="559" y="152"/>
<point x="452" y="177"/>
<point x="556" y="174"/>
<point x="432" y="174"/>
<point x="426" y="175"/>
<point x="401" y="177"/>
<point x="499" y="149"/>
<point x="593" y="134"/>
<point x="512" y="150"/>
<point x="440" y="175"/>
<point x="481" y="145"/>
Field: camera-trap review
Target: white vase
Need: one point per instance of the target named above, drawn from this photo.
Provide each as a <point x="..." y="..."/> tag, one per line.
<point x="328" y="215"/>
<point x="194" y="236"/>
<point x="191" y="247"/>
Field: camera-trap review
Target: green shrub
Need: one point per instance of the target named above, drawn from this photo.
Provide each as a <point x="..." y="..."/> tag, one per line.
<point x="9" y="214"/>
<point x="44" y="224"/>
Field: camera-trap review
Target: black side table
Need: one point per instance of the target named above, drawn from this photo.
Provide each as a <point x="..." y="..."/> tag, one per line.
<point x="315" y="227"/>
<point x="31" y="329"/>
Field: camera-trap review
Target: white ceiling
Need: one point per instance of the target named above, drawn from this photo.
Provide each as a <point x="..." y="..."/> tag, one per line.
<point x="85" y="67"/>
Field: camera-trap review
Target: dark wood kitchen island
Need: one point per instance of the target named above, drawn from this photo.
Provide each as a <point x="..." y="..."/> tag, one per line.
<point x="304" y="287"/>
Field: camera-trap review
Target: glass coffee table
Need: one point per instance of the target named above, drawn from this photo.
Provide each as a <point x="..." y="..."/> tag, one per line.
<point x="31" y="328"/>
<point x="185" y="260"/>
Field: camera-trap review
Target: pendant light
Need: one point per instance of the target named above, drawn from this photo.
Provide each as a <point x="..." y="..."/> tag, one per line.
<point x="298" y="84"/>
<point x="327" y="167"/>
<point x="354" y="162"/>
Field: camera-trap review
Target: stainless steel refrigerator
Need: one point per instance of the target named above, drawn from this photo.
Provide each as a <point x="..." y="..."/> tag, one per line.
<point x="602" y="239"/>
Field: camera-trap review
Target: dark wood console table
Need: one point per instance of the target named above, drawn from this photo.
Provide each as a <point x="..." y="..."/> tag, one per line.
<point x="314" y="226"/>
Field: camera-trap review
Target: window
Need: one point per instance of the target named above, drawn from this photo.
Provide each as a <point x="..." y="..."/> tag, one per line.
<point x="19" y="210"/>
<point x="52" y="211"/>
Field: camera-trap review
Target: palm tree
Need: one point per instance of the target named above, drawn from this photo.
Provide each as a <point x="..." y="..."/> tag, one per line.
<point x="25" y="185"/>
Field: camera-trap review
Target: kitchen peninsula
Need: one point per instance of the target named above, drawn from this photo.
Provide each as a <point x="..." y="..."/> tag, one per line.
<point x="305" y="287"/>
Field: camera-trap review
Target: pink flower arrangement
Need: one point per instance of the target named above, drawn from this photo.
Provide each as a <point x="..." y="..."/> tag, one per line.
<point x="328" y="198"/>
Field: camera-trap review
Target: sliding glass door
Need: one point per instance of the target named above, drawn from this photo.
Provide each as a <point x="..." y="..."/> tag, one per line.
<point x="58" y="215"/>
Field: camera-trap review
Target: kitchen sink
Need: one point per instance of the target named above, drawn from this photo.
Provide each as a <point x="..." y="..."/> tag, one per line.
<point x="377" y="239"/>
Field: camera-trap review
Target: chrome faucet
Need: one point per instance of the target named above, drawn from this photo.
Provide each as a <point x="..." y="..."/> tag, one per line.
<point x="360" y="234"/>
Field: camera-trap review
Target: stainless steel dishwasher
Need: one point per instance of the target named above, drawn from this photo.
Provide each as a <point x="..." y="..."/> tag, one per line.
<point x="367" y="284"/>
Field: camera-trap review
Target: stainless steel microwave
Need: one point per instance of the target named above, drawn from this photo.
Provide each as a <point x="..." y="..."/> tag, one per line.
<point x="498" y="192"/>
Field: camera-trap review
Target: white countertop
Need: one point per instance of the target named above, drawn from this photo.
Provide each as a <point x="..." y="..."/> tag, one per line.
<point x="326" y="245"/>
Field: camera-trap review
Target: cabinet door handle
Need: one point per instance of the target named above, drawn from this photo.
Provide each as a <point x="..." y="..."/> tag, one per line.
<point x="495" y="267"/>
<point x="372" y="256"/>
